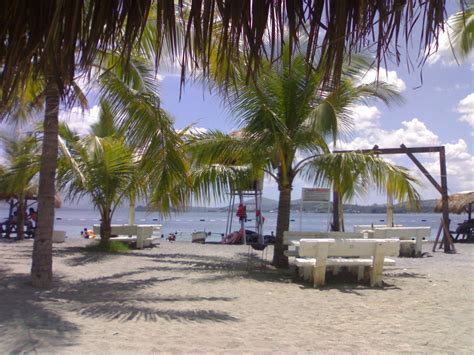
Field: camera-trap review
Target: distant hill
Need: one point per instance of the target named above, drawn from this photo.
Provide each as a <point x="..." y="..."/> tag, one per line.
<point x="426" y="206"/>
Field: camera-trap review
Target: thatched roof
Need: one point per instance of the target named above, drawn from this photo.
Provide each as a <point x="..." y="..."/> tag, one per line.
<point x="51" y="38"/>
<point x="32" y="195"/>
<point x="457" y="202"/>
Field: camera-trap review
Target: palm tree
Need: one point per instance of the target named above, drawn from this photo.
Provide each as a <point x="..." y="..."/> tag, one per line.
<point x="131" y="95"/>
<point x="285" y="117"/>
<point x="351" y="174"/>
<point x="103" y="168"/>
<point x="18" y="177"/>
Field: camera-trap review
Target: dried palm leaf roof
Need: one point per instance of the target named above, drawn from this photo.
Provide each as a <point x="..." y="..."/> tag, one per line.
<point x="457" y="202"/>
<point x="51" y="38"/>
<point x="31" y="194"/>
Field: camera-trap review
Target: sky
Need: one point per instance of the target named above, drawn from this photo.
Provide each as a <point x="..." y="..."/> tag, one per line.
<point x="437" y="110"/>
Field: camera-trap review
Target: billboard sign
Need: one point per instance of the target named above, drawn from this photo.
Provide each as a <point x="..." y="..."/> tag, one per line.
<point x="310" y="194"/>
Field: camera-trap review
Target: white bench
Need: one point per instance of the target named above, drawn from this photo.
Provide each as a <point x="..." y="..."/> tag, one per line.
<point x="126" y="233"/>
<point x="367" y="227"/>
<point x="411" y="238"/>
<point x="59" y="236"/>
<point x="289" y="237"/>
<point x="315" y="255"/>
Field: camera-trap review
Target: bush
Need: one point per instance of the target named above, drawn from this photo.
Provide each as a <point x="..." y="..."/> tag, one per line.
<point x="110" y="247"/>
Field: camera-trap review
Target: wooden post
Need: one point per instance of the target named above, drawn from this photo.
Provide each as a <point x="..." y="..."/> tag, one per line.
<point x="444" y="199"/>
<point x="448" y="240"/>
<point x="440" y="229"/>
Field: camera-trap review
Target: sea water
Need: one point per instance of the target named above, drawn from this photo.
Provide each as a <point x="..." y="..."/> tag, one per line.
<point x="74" y="220"/>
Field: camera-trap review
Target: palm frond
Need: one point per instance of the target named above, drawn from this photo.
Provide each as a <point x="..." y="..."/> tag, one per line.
<point x="353" y="173"/>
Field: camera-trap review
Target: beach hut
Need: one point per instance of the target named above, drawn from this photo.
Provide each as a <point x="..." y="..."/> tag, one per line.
<point x="31" y="198"/>
<point x="461" y="203"/>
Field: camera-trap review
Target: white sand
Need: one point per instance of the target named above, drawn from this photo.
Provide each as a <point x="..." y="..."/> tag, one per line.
<point x="184" y="297"/>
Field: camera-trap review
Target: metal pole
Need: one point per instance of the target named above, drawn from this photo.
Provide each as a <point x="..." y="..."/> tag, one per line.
<point x="301" y="214"/>
<point x="242" y="220"/>
<point x="335" y="211"/>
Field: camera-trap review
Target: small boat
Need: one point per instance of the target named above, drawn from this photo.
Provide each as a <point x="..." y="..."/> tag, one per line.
<point x="199" y="237"/>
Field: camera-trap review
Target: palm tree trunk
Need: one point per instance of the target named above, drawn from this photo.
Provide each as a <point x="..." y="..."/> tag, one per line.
<point x="42" y="266"/>
<point x="341" y="214"/>
<point x="283" y="224"/>
<point x="20" y="223"/>
<point x="105" y="227"/>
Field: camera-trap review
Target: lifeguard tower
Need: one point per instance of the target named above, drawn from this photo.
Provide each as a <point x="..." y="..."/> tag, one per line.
<point x="248" y="213"/>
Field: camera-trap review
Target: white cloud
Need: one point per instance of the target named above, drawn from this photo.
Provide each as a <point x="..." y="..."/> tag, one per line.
<point x="466" y="109"/>
<point x="459" y="165"/>
<point x="80" y="120"/>
<point x="365" y="117"/>
<point x="384" y="75"/>
<point x="413" y="133"/>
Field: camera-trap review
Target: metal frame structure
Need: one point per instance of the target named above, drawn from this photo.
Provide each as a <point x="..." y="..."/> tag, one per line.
<point x="256" y="192"/>
<point x="442" y="187"/>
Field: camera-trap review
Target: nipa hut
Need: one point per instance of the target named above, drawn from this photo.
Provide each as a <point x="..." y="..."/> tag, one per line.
<point x="31" y="195"/>
<point x="458" y="203"/>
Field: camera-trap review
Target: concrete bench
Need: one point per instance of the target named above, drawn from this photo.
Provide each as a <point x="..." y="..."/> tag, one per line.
<point x="126" y="233"/>
<point x="292" y="236"/>
<point x="411" y="238"/>
<point x="59" y="236"/>
<point x="366" y="227"/>
<point x="315" y="255"/>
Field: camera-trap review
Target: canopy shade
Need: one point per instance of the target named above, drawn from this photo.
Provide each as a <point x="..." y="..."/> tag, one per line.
<point x="54" y="38"/>
<point x="457" y="202"/>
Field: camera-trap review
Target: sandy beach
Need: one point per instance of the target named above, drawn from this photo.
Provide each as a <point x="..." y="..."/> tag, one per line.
<point x="183" y="297"/>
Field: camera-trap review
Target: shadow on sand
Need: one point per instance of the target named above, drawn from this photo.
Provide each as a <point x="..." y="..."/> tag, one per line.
<point x="33" y="319"/>
<point x="27" y="323"/>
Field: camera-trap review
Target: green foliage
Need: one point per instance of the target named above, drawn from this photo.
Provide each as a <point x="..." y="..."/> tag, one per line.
<point x="130" y="94"/>
<point x="108" y="247"/>
<point x="353" y="173"/>
<point x="100" y="167"/>
<point x="461" y="31"/>
<point x="22" y="156"/>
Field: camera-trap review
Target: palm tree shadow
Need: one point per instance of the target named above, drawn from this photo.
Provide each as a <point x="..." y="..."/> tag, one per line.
<point x="27" y="323"/>
<point x="114" y="297"/>
<point x="82" y="256"/>
<point x="32" y="320"/>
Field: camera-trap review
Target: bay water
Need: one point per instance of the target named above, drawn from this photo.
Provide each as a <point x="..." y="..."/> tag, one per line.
<point x="74" y="220"/>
